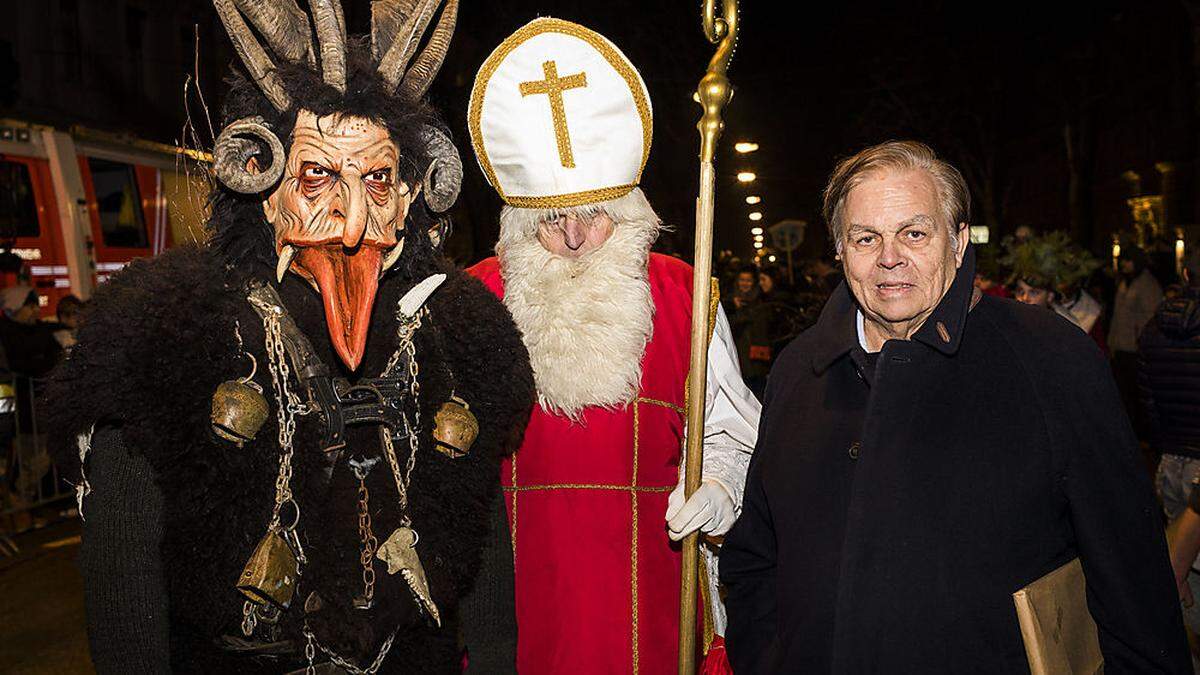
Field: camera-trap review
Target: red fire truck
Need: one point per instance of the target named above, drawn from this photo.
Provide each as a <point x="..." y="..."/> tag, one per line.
<point x="78" y="205"/>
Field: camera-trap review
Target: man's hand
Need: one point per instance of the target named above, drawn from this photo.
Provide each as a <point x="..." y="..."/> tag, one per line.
<point x="710" y="510"/>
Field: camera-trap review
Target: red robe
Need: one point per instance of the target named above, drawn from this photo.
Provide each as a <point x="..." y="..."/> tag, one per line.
<point x="597" y="578"/>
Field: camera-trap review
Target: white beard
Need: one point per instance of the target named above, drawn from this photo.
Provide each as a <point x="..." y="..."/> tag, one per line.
<point x="585" y="322"/>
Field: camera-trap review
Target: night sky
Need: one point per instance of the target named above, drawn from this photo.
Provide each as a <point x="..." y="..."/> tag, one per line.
<point x="992" y="86"/>
<point x="1043" y="105"/>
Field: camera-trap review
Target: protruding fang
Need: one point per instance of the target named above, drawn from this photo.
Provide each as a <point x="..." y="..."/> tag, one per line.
<point x="285" y="261"/>
<point x="392" y="256"/>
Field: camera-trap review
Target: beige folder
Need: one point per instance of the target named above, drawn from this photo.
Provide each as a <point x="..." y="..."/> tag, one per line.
<point x="1060" y="635"/>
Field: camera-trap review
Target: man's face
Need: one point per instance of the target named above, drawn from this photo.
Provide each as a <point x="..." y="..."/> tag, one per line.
<point x="340" y="204"/>
<point x="745" y="282"/>
<point x="899" y="258"/>
<point x="573" y="235"/>
<point x="1032" y="295"/>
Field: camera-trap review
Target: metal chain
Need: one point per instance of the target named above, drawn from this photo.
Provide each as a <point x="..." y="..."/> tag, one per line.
<point x="288" y="407"/>
<point x="406" y="329"/>
<point x="406" y="332"/>
<point x="310" y="652"/>
<point x="340" y="661"/>
<point x="249" y="619"/>
<point x="369" y="541"/>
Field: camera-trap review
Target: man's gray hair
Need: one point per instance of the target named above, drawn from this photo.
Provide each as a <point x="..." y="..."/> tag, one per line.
<point x="952" y="193"/>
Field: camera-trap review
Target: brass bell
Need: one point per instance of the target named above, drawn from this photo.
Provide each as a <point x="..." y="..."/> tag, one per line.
<point x="455" y="428"/>
<point x="239" y="410"/>
<point x="271" y="573"/>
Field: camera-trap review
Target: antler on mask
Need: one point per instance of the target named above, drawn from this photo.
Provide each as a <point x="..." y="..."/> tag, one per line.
<point x="420" y="75"/>
<point x="261" y="68"/>
<point x="396" y="30"/>
<point x="331" y="33"/>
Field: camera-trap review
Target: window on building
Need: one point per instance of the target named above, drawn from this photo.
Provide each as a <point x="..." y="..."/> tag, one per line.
<point x="120" y="208"/>
<point x="18" y="208"/>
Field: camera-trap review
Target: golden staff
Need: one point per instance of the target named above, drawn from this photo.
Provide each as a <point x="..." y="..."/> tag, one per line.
<point x="714" y="92"/>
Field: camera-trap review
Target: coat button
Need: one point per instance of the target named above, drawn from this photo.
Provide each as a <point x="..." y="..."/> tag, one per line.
<point x="942" y="332"/>
<point x="855" y="449"/>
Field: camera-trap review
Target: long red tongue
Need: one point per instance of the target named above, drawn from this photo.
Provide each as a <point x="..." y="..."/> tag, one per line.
<point x="347" y="283"/>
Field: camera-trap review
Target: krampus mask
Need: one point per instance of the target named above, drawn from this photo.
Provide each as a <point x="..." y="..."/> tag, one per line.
<point x="359" y="149"/>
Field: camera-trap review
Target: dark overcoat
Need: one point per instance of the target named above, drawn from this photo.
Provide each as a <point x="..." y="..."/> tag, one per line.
<point x="889" y="518"/>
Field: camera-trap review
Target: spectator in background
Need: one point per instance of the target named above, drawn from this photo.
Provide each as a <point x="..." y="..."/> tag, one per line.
<point x="749" y="320"/>
<point x="745" y="291"/>
<point x="989" y="273"/>
<point x="1080" y="308"/>
<point x="822" y="276"/>
<point x="1137" y="299"/>
<point x="30" y="346"/>
<point x="1169" y="387"/>
<point x="1049" y="271"/>
<point x="68" y="312"/>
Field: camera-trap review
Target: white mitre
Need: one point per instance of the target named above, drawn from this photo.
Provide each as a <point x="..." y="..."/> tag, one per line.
<point x="559" y="118"/>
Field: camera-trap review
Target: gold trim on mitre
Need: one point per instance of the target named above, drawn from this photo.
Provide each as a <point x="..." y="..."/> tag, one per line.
<point x="614" y="59"/>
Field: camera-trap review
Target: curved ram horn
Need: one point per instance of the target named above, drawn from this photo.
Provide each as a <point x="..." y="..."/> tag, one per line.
<point x="240" y="141"/>
<point x="443" y="178"/>
<point x="283" y="25"/>
<point x="405" y="41"/>
<point x="331" y="36"/>
<point x="258" y="64"/>
<point x="418" y="78"/>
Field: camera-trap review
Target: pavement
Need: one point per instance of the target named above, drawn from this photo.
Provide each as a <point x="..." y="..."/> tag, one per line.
<point x="42" y="627"/>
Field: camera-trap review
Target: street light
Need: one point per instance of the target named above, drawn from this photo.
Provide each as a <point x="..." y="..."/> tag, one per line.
<point x="753" y="199"/>
<point x="746" y="177"/>
<point x="758" y="244"/>
<point x="756" y="215"/>
<point x="745" y="147"/>
<point x="756" y="230"/>
<point x="770" y="258"/>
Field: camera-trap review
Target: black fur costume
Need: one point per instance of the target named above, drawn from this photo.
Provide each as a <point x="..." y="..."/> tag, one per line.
<point x="158" y="340"/>
<point x="175" y="513"/>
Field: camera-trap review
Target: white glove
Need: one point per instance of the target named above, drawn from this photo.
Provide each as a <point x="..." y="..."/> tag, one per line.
<point x="710" y="510"/>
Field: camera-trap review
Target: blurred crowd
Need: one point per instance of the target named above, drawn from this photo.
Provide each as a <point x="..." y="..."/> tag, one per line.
<point x="30" y="346"/>
<point x="768" y="305"/>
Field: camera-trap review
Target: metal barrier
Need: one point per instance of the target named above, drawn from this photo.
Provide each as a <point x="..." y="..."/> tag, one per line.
<point x="29" y="479"/>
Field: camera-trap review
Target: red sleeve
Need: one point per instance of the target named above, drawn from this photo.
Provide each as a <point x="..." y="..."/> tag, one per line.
<point x="488" y="271"/>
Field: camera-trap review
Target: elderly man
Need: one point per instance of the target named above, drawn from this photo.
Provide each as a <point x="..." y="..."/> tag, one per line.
<point x="561" y="124"/>
<point x="925" y="452"/>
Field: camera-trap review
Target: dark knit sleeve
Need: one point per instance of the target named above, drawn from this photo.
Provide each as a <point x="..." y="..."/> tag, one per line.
<point x="489" y="621"/>
<point x="124" y="593"/>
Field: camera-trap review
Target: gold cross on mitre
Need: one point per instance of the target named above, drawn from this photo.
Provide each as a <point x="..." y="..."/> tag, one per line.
<point x="554" y="86"/>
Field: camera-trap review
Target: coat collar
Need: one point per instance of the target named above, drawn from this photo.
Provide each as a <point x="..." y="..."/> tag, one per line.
<point x="836" y="333"/>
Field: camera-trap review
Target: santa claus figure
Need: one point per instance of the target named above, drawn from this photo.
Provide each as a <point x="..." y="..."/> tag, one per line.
<point x="561" y="125"/>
